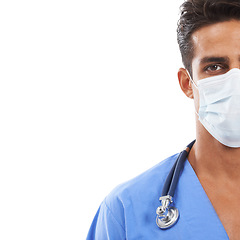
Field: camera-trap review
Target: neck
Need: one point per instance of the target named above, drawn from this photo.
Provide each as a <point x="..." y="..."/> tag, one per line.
<point x="210" y="158"/>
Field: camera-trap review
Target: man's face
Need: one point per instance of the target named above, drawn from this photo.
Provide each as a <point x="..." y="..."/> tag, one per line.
<point x="216" y="51"/>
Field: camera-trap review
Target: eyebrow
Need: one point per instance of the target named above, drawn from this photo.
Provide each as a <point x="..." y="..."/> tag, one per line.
<point x="214" y="59"/>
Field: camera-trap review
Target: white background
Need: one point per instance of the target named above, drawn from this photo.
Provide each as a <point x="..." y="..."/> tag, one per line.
<point x="89" y="98"/>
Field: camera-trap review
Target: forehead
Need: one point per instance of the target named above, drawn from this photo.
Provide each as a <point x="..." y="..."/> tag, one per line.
<point x="217" y="39"/>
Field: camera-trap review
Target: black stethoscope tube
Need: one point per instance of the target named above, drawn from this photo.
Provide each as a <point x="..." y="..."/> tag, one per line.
<point x="168" y="215"/>
<point x="173" y="176"/>
<point x="169" y="179"/>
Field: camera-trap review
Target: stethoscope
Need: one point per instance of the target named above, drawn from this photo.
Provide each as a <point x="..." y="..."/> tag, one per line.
<point x="168" y="215"/>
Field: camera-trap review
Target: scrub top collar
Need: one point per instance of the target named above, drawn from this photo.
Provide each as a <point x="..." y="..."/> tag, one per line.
<point x="197" y="214"/>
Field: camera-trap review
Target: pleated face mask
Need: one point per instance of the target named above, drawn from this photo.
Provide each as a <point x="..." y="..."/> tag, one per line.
<point x="219" y="110"/>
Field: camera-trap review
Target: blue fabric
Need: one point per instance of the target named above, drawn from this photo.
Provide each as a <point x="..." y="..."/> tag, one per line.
<point x="129" y="211"/>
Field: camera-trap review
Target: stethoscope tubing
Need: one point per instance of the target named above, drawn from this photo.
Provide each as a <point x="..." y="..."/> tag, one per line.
<point x="173" y="176"/>
<point x="167" y="214"/>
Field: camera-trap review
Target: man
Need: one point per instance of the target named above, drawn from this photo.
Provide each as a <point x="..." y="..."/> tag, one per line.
<point x="207" y="193"/>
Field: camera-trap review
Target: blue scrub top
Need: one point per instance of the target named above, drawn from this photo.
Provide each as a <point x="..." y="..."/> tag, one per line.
<point x="129" y="211"/>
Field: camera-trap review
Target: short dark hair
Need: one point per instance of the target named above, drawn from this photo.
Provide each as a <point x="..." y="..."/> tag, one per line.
<point x="196" y="14"/>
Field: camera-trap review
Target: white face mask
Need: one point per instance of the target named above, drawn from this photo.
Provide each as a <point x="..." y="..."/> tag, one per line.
<point x="219" y="110"/>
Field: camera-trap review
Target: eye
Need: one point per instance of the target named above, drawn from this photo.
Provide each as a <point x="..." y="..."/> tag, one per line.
<point x="215" y="69"/>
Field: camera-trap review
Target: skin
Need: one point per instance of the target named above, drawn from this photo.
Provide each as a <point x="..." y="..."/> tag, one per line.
<point x="217" y="166"/>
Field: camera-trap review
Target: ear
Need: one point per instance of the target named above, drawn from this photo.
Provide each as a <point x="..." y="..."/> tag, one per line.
<point x="185" y="82"/>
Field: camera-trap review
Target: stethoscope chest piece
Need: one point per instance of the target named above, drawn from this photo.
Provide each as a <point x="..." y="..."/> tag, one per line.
<point x="166" y="216"/>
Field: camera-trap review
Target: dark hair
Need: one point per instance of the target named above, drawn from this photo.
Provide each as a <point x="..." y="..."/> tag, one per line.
<point x="199" y="13"/>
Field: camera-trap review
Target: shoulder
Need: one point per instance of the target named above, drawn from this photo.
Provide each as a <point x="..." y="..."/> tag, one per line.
<point x="132" y="205"/>
<point x="145" y="181"/>
<point x="147" y="186"/>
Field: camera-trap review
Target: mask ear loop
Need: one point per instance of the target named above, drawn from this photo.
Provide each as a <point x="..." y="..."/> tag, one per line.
<point x="192" y="79"/>
<point x="195" y="86"/>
